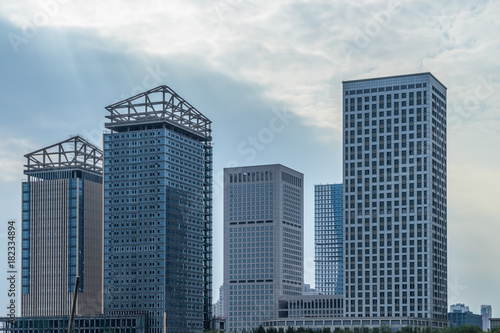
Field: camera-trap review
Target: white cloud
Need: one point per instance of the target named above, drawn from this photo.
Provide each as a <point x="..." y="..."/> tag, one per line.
<point x="296" y="49"/>
<point x="11" y="158"/>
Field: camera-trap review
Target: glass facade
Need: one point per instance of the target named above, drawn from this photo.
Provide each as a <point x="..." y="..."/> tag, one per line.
<point x="26" y="238"/>
<point x="329" y="238"/>
<point x="155" y="226"/>
<point x="158" y="211"/>
<point x="394" y="177"/>
<point x="76" y="235"/>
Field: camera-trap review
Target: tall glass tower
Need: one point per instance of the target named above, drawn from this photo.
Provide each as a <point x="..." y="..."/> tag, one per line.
<point x="329" y="240"/>
<point x="395" y="217"/>
<point x="158" y="211"/>
<point x="62" y="229"/>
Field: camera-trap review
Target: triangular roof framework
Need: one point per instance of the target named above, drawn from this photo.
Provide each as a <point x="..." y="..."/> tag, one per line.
<point x="160" y="104"/>
<point x="73" y="152"/>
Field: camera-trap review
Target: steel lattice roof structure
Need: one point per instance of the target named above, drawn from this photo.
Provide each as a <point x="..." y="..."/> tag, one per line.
<point x="160" y="105"/>
<point x="74" y="152"/>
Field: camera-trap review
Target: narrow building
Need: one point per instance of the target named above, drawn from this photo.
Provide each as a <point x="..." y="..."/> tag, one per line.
<point x="62" y="229"/>
<point x="329" y="239"/>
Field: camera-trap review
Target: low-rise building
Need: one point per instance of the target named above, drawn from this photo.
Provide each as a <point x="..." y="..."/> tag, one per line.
<point x="461" y="315"/>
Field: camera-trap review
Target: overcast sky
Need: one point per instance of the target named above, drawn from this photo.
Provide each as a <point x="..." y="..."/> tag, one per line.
<point x="268" y="74"/>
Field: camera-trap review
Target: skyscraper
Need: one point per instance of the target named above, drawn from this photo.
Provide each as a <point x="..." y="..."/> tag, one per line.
<point x="328" y="238"/>
<point x="263" y="242"/>
<point x="62" y="229"/>
<point x="394" y="177"/>
<point x="158" y="211"/>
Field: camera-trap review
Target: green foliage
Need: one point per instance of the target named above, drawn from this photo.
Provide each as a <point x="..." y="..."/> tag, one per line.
<point x="385" y="329"/>
<point x="260" y="329"/>
<point x="381" y="329"/>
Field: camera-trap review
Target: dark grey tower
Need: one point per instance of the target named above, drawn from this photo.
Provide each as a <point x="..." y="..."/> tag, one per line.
<point x="158" y="211"/>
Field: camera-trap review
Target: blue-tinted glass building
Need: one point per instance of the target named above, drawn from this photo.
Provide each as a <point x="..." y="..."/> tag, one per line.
<point x="62" y="229"/>
<point x="328" y="238"/>
<point x="158" y="211"/>
<point x="461" y="315"/>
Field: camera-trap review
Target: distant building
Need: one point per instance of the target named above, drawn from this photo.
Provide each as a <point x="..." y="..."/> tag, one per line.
<point x="459" y="308"/>
<point x="494" y="323"/>
<point x="263" y="242"/>
<point x="310" y="291"/>
<point x="158" y="211"/>
<point x="312" y="305"/>
<point x="486" y="313"/>
<point x="218" y="307"/>
<point x="461" y="315"/>
<point x="328" y="238"/>
<point x="62" y="229"/>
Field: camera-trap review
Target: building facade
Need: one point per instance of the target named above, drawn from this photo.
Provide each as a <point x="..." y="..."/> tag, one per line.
<point x="263" y="242"/>
<point x="494" y="323"/>
<point x="132" y="322"/>
<point x="486" y="314"/>
<point x="395" y="216"/>
<point x="319" y="305"/>
<point x="328" y="238"/>
<point x="62" y="229"/>
<point x="158" y="211"/>
<point x="461" y="315"/>
<point x="218" y="306"/>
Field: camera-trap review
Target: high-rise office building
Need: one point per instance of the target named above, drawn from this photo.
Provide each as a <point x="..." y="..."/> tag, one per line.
<point x="263" y="242"/>
<point x="394" y="176"/>
<point x="328" y="238"/>
<point x="158" y="211"/>
<point x="62" y="229"/>
<point x="486" y="314"/>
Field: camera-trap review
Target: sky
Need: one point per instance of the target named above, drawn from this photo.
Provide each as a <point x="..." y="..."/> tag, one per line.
<point x="269" y="75"/>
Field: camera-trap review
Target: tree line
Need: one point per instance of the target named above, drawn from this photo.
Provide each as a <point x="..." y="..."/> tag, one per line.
<point x="383" y="329"/>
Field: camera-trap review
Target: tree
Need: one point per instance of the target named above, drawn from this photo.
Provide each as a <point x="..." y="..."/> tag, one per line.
<point x="260" y="329"/>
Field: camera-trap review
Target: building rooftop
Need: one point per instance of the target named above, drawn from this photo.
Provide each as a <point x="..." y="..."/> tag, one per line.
<point x="74" y="152"/>
<point x="394" y="77"/>
<point x="160" y="106"/>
